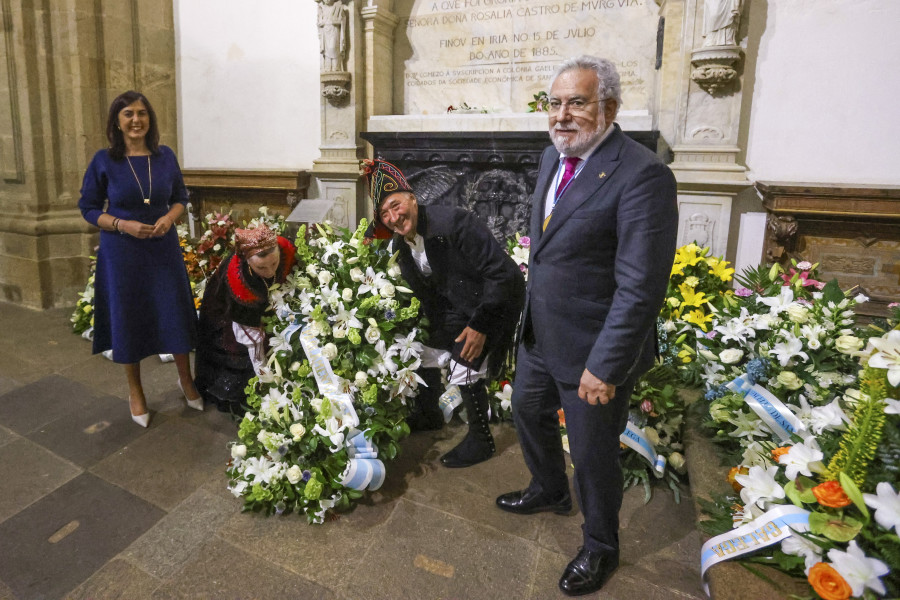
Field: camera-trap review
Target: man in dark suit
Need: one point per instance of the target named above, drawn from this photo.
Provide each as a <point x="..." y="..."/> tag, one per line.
<point x="603" y="229"/>
<point x="470" y="290"/>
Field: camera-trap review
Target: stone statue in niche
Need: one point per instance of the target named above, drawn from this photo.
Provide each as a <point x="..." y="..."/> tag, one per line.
<point x="721" y="19"/>
<point x="332" y="22"/>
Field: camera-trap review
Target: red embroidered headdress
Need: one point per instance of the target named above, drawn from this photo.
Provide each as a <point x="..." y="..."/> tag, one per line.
<point x="253" y="241"/>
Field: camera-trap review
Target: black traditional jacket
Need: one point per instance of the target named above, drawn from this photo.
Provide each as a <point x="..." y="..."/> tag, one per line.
<point x="474" y="282"/>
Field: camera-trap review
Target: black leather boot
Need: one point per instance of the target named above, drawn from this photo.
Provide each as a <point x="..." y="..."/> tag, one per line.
<point x="478" y="445"/>
<point x="426" y="413"/>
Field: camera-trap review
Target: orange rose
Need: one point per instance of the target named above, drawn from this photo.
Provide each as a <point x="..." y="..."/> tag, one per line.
<point x="831" y="494"/>
<point x="736" y="471"/>
<point x="778" y="452"/>
<point x="562" y="417"/>
<point x="828" y="583"/>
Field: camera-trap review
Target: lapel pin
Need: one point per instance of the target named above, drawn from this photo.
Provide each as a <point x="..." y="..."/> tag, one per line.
<point x="602" y="174"/>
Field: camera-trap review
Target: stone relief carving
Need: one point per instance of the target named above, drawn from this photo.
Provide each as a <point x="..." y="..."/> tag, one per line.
<point x="849" y="264"/>
<point x="500" y="197"/>
<point x="780" y="233"/>
<point x="716" y="61"/>
<point x="698" y="228"/>
<point x="707" y="132"/>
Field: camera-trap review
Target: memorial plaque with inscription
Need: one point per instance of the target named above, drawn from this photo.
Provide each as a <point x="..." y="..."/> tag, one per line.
<point x="496" y="54"/>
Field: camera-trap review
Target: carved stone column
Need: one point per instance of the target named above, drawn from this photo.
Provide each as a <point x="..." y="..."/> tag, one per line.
<point x="699" y="111"/>
<point x="336" y="195"/>
<point x="380" y="24"/>
<point x="61" y="64"/>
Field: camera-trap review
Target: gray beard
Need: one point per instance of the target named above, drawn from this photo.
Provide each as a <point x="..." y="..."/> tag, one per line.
<point x="584" y="139"/>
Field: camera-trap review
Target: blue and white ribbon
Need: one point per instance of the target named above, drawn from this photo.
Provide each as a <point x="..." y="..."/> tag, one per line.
<point x="448" y="402"/>
<point x="769" y="528"/>
<point x="634" y="438"/>
<point x="770" y="409"/>
<point x="341" y="402"/>
<point x="364" y="469"/>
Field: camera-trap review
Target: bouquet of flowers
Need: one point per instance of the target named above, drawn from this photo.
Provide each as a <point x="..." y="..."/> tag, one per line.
<point x="838" y="483"/>
<point x="83" y="316"/>
<point x="331" y="404"/>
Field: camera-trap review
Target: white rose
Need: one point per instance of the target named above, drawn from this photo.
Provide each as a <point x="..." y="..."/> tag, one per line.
<point x="295" y="366"/>
<point x="790" y="380"/>
<point x="316" y="404"/>
<point x="238" y="451"/>
<point x="394" y="271"/>
<point x="387" y="290"/>
<point x="356" y="274"/>
<point x="325" y="277"/>
<point x="362" y="378"/>
<point x="848" y="344"/>
<point x="217" y="247"/>
<point x="729" y="356"/>
<point x="651" y="435"/>
<point x="798" y="313"/>
<point x="347" y="294"/>
<point x="329" y="351"/>
<point x="676" y="459"/>
<point x="294" y="474"/>
<point x="373" y="335"/>
<point x="669" y="326"/>
<point x="340" y="332"/>
<point x="297" y="430"/>
<point x="311" y="269"/>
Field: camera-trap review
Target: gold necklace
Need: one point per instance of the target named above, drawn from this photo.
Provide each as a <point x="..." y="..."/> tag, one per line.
<point x="149" y="176"/>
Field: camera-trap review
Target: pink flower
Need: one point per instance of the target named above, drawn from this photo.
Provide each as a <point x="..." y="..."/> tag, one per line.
<point x="647" y="406"/>
<point x="893" y="304"/>
<point x="804" y="278"/>
<point x="804" y="265"/>
<point x="525" y="241"/>
<point x="742" y="292"/>
<point x="523" y="268"/>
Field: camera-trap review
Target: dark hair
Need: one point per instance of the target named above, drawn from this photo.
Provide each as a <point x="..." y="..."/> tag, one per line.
<point x="114" y="134"/>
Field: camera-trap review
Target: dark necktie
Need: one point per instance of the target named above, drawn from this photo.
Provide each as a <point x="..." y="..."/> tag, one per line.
<point x="568" y="173"/>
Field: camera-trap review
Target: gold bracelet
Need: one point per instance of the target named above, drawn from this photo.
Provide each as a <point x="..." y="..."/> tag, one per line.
<point x="116" y="225"/>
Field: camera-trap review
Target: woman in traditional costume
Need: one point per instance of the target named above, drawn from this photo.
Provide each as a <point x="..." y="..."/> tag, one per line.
<point x="231" y="346"/>
<point x="134" y="192"/>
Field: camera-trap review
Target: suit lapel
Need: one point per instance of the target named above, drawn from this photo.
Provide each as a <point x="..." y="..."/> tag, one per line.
<point x="590" y="181"/>
<point x="545" y="176"/>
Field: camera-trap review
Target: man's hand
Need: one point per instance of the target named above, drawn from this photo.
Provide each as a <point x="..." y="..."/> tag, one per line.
<point x="474" y="344"/>
<point x="593" y="390"/>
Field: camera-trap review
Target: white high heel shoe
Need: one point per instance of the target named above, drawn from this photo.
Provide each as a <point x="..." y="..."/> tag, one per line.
<point x="142" y="420"/>
<point x="196" y="403"/>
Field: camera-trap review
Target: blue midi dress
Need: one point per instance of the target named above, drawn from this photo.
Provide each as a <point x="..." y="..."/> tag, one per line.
<point x="142" y="296"/>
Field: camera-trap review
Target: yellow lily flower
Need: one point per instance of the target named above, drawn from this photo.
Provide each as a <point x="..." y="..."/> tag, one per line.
<point x="698" y="318"/>
<point x="692" y="297"/>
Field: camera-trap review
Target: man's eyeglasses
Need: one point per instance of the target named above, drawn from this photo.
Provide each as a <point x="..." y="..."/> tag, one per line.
<point x="576" y="106"/>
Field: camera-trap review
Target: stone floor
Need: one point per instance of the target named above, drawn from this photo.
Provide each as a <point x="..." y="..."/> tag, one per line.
<point x="92" y="506"/>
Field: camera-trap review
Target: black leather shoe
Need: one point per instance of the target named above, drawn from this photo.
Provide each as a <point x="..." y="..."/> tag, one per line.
<point x="527" y="502"/>
<point x="587" y="572"/>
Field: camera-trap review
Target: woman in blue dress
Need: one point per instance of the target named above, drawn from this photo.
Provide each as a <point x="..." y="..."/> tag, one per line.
<point x="134" y="192"/>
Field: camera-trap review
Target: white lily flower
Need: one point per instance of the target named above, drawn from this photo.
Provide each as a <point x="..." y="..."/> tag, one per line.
<point x="778" y="304"/>
<point x="760" y="486"/>
<point x="407" y="380"/>
<point x="887" y="355"/>
<point x="371" y="282"/>
<point x="505" y="397"/>
<point x="347" y="318"/>
<point x="860" y="298"/>
<point x="886" y="503"/>
<point x="747" y="425"/>
<point x="333" y="249"/>
<point x="797" y="545"/>
<point x="828" y="417"/>
<point x="736" y="329"/>
<point x="892" y="407"/>
<point x="858" y="570"/>
<point x="407" y="346"/>
<point x="802" y="458"/>
<point x="789" y="348"/>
